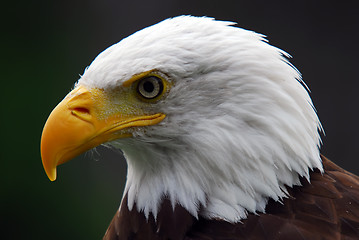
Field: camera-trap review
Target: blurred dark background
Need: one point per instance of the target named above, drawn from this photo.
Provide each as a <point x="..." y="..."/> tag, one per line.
<point x="47" y="44"/>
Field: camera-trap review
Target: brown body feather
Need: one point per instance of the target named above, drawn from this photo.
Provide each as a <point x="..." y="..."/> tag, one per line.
<point x="326" y="208"/>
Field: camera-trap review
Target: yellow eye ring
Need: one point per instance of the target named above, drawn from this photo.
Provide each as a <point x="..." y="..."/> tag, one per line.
<point x="150" y="87"/>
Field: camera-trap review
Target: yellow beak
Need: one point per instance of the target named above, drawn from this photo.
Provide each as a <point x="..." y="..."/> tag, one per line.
<point x="83" y="120"/>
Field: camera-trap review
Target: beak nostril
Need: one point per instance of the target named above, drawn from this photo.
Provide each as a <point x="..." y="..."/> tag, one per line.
<point x="82" y="110"/>
<point x="82" y="113"/>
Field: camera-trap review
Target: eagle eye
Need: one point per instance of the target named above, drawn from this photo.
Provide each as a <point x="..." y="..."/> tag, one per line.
<point x="150" y="87"/>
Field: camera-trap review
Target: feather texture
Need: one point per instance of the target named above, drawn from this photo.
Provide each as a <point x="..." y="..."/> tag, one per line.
<point x="238" y="147"/>
<point x="327" y="208"/>
<point x="240" y="127"/>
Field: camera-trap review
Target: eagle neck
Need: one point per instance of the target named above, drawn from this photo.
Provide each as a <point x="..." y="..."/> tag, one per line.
<point x="171" y="222"/>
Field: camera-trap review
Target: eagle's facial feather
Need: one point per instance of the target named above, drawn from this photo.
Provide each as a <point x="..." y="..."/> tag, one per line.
<point x="239" y="127"/>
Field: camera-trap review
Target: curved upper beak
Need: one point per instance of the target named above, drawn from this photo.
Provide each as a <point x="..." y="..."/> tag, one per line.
<point x="84" y="120"/>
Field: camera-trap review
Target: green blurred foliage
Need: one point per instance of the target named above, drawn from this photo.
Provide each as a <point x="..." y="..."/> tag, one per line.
<point x="43" y="54"/>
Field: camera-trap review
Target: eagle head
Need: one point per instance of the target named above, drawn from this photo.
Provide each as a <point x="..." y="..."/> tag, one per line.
<point x="208" y="115"/>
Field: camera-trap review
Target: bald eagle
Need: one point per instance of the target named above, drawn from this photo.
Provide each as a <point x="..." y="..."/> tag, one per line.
<point x="219" y="133"/>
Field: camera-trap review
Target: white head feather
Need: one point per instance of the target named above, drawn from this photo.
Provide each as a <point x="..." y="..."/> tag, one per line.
<point x="240" y="126"/>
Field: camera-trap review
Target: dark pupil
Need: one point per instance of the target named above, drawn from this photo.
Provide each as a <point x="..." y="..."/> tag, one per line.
<point x="148" y="87"/>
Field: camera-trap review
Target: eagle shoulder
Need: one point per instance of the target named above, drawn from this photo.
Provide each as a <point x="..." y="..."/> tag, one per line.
<point x="327" y="207"/>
